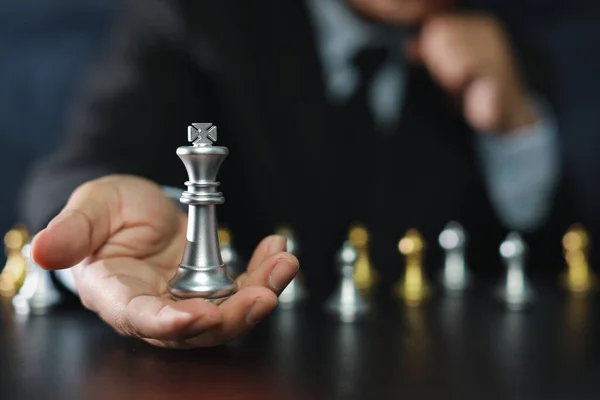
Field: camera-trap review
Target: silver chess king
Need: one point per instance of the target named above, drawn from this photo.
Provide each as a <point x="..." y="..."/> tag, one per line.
<point x="202" y="272"/>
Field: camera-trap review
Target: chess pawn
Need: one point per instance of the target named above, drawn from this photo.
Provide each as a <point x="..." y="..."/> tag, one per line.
<point x="15" y="270"/>
<point x="295" y="292"/>
<point x="202" y="272"/>
<point x="346" y="301"/>
<point x="455" y="275"/>
<point x="578" y="279"/>
<point x="516" y="291"/>
<point x="365" y="276"/>
<point x="229" y="255"/>
<point x="38" y="293"/>
<point x="413" y="288"/>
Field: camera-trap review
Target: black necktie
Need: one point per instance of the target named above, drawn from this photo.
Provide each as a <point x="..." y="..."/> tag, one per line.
<point x="352" y="132"/>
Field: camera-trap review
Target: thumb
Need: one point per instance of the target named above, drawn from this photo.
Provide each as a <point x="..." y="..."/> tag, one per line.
<point x="80" y="229"/>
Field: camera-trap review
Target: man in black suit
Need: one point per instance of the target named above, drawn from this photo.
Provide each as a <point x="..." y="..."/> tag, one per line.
<point x="395" y="113"/>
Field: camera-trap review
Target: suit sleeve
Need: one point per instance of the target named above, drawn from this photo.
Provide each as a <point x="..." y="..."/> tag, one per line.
<point x="143" y="90"/>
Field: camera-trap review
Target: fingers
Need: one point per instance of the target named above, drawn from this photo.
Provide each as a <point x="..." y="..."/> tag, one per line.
<point x="126" y="293"/>
<point x="482" y="104"/>
<point x="159" y="318"/>
<point x="267" y="247"/>
<point x="80" y="229"/>
<point x="115" y="216"/>
<point x="275" y="273"/>
<point x="446" y="53"/>
<point x="240" y="313"/>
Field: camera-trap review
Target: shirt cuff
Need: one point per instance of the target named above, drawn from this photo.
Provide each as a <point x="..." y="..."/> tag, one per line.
<point x="521" y="170"/>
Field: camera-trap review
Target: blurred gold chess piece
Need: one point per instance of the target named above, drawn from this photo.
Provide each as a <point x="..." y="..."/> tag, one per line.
<point x="365" y="276"/>
<point x="578" y="278"/>
<point x="228" y="254"/>
<point x="224" y="237"/>
<point x="413" y="288"/>
<point x="13" y="274"/>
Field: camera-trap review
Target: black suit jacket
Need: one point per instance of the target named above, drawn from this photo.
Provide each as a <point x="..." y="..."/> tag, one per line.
<point x="251" y="67"/>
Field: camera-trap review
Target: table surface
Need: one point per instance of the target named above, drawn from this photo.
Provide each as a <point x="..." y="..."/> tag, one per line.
<point x="465" y="347"/>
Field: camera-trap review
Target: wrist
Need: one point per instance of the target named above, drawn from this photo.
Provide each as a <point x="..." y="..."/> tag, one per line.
<point x="519" y="114"/>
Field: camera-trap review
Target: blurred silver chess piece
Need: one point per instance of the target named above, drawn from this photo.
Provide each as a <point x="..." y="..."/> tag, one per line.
<point x="455" y="275"/>
<point x="202" y="272"/>
<point x="346" y="301"/>
<point x="295" y="292"/>
<point x="516" y="291"/>
<point x="230" y="257"/>
<point x="38" y="293"/>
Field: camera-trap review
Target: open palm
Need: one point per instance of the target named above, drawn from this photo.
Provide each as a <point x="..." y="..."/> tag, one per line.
<point x="125" y="239"/>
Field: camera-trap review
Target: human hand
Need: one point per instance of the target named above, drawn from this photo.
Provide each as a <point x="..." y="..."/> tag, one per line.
<point x="470" y="56"/>
<point x="126" y="239"/>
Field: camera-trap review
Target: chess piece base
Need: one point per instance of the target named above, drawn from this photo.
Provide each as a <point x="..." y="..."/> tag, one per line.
<point x="515" y="300"/>
<point x="293" y="294"/>
<point x="579" y="285"/>
<point x="410" y="296"/>
<point x="347" y="312"/>
<point x="455" y="282"/>
<point x="414" y="288"/>
<point x="210" y="284"/>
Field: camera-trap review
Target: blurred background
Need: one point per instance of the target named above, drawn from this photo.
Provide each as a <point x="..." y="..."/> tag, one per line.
<point x="45" y="47"/>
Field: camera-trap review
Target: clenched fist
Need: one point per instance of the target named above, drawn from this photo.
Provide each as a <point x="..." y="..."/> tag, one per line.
<point x="470" y="56"/>
<point x="126" y="239"/>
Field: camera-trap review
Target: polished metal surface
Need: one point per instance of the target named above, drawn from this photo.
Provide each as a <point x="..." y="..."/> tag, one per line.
<point x="346" y="302"/>
<point x="295" y="293"/>
<point x="38" y="293"/>
<point x="455" y="274"/>
<point x="516" y="290"/>
<point x="202" y="272"/>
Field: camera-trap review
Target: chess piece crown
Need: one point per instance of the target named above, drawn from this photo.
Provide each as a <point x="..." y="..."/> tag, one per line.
<point x="202" y="272"/>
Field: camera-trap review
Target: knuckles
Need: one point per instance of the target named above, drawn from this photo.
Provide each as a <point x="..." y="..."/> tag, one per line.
<point x="454" y="29"/>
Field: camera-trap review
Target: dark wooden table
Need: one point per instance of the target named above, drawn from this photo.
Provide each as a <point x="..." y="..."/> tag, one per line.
<point x="454" y="348"/>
